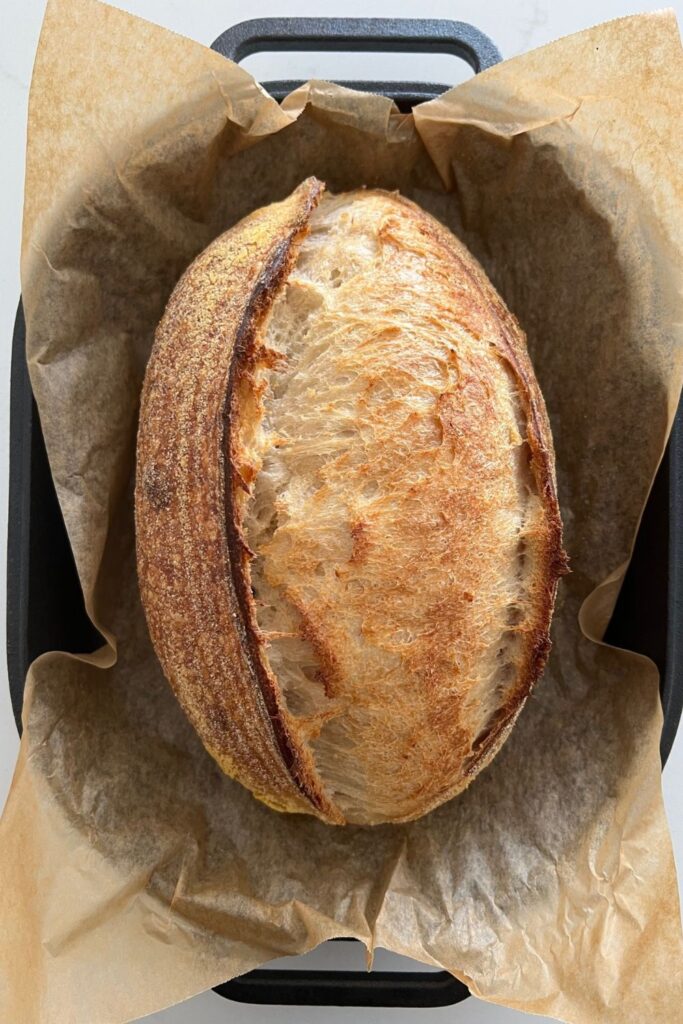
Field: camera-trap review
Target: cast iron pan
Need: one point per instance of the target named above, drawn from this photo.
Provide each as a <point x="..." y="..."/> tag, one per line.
<point x="44" y="603"/>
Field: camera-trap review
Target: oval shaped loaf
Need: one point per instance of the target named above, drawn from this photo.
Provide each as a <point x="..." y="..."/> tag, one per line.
<point x="348" y="535"/>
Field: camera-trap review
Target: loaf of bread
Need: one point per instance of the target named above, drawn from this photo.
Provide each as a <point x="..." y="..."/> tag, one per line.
<point x="348" y="535"/>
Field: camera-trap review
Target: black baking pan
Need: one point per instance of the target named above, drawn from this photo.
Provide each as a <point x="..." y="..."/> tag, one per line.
<point x="45" y="608"/>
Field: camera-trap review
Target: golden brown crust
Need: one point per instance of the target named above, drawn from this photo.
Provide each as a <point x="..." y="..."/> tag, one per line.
<point x="198" y="459"/>
<point x="553" y="562"/>
<point x="188" y="548"/>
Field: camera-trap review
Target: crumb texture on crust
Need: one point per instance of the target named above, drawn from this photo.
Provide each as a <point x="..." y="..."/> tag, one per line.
<point x="395" y="490"/>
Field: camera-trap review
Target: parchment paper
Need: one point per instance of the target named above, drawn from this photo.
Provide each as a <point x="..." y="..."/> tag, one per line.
<point x="133" y="873"/>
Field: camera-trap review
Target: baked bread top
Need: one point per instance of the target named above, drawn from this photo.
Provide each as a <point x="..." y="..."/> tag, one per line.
<point x="347" y="526"/>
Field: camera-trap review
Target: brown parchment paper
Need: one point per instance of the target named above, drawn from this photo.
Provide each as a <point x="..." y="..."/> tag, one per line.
<point x="133" y="873"/>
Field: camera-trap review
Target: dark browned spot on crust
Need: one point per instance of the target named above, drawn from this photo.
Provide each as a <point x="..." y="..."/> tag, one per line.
<point x="361" y="542"/>
<point x="156" y="489"/>
<point x="328" y="671"/>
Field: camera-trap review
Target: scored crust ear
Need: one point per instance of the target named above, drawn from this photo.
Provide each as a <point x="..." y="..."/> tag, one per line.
<point x="190" y="550"/>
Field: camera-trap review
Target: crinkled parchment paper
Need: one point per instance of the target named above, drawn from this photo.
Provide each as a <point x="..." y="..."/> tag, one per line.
<point x="133" y="873"/>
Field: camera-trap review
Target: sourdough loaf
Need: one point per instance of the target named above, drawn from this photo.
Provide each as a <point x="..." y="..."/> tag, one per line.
<point x="348" y="535"/>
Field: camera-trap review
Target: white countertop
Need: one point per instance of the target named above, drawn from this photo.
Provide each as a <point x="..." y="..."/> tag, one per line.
<point x="515" y="26"/>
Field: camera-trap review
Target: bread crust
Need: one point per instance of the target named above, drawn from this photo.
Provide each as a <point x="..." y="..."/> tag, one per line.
<point x="193" y="483"/>
<point x="553" y="562"/>
<point x="189" y="548"/>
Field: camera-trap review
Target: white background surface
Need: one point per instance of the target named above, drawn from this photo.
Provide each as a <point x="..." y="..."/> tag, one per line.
<point x="515" y="26"/>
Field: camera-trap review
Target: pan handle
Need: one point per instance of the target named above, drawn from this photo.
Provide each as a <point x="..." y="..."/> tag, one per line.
<point x="345" y="988"/>
<point x="384" y="35"/>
